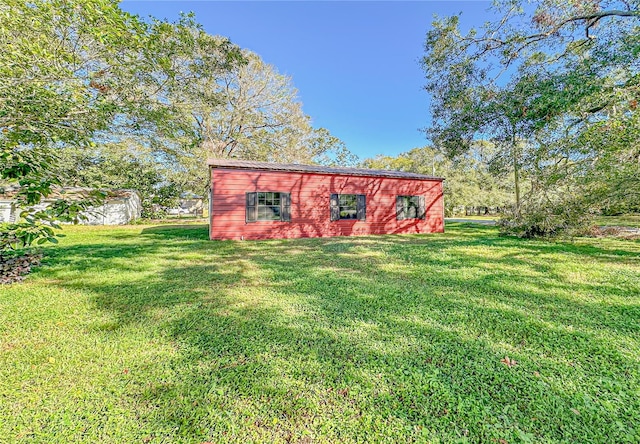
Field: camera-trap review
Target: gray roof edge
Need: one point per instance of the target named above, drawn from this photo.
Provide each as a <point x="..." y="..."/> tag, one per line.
<point x="318" y="169"/>
<point x="10" y="191"/>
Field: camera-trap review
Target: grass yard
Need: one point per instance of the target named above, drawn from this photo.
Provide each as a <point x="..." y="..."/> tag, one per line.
<point x="472" y="217"/>
<point x="155" y="334"/>
<point x="626" y="220"/>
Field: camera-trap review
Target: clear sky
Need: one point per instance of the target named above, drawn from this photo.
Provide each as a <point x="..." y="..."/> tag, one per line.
<point x="354" y="63"/>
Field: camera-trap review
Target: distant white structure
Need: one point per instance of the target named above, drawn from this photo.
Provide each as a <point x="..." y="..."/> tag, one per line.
<point x="119" y="208"/>
<point x="7" y="210"/>
<point x="190" y="204"/>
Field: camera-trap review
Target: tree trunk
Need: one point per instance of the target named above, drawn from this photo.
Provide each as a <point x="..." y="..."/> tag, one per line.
<point x="516" y="177"/>
<point x="516" y="170"/>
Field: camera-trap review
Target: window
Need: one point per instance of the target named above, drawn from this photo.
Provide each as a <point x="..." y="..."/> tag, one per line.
<point x="268" y="206"/>
<point x="410" y="207"/>
<point x="348" y="206"/>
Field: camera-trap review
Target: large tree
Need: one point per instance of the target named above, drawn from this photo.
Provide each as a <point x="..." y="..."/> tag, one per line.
<point x="241" y="107"/>
<point x="260" y="115"/>
<point x="553" y="80"/>
<point x="180" y="88"/>
<point x="78" y="72"/>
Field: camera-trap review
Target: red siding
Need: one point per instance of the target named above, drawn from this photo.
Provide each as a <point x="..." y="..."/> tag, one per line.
<point x="310" y="193"/>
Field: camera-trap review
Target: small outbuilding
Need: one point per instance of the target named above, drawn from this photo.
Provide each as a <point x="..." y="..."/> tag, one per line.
<point x="261" y="200"/>
<point x="190" y="204"/>
<point x="119" y="208"/>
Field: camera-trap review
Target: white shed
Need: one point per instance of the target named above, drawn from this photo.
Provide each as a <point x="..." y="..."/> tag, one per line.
<point x="119" y="208"/>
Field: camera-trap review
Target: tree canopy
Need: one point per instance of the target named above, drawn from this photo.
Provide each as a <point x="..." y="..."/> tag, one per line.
<point x="555" y="87"/>
<point x="66" y="71"/>
<point x="247" y="110"/>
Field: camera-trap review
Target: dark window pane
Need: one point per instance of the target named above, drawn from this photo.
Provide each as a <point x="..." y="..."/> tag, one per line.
<point x="347" y="200"/>
<point x="347" y="207"/>
<point x="268" y="207"/>
<point x="410" y="206"/>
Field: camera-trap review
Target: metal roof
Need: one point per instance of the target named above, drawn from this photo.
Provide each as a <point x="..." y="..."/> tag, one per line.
<point x="70" y="193"/>
<point x="294" y="167"/>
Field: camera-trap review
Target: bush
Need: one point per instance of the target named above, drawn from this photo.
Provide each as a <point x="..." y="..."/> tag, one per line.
<point x="14" y="266"/>
<point x="544" y="218"/>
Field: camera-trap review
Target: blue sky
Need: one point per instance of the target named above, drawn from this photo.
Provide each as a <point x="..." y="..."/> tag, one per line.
<point x="354" y="63"/>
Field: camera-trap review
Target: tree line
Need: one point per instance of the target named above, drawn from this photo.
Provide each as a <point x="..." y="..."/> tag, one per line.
<point x="471" y="186"/>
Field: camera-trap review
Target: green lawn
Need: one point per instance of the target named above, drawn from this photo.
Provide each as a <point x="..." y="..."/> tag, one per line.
<point x="155" y="334"/>
<point x="627" y="220"/>
<point x="483" y="217"/>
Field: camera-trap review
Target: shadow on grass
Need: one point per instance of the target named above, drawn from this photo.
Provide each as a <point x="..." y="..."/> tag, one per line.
<point x="189" y="231"/>
<point x="364" y="338"/>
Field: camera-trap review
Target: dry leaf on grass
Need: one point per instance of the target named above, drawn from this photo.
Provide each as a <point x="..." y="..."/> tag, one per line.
<point x="508" y="361"/>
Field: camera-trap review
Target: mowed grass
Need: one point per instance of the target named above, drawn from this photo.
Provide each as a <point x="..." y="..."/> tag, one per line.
<point x="155" y="334"/>
<point x="626" y="220"/>
<point x="473" y="217"/>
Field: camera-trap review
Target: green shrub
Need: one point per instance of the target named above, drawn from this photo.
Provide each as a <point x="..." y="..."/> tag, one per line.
<point x="544" y="218"/>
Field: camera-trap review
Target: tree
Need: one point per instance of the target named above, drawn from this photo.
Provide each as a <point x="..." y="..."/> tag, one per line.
<point x="467" y="104"/>
<point x="245" y="110"/>
<point x="76" y="72"/>
<point x="326" y="149"/>
<point x="121" y="165"/>
<point x="83" y="73"/>
<point x="572" y="74"/>
<point x="261" y="116"/>
<point x="65" y="70"/>
<point x="180" y="88"/>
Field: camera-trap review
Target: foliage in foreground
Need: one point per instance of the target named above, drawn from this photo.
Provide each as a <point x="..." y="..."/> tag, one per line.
<point x="66" y="72"/>
<point x="155" y="334"/>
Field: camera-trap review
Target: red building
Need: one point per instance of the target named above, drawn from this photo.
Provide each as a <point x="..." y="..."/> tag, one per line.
<point x="260" y="200"/>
